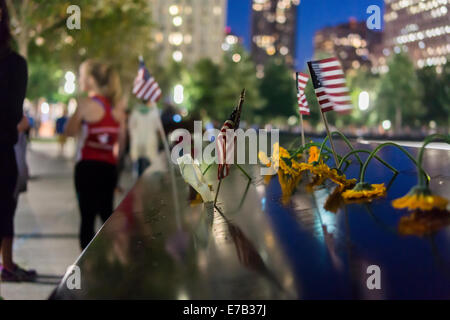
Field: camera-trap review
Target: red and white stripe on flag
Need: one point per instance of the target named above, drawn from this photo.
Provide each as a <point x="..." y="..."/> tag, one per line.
<point x="335" y="88"/>
<point x="145" y="86"/>
<point x="302" y="80"/>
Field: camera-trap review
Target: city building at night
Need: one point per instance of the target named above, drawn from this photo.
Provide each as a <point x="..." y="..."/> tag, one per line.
<point x="188" y="30"/>
<point x="419" y="28"/>
<point x="351" y="42"/>
<point x="274" y="24"/>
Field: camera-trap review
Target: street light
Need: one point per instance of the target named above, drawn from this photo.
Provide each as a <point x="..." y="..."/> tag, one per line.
<point x="69" y="86"/>
<point x="178" y="94"/>
<point x="177" y="56"/>
<point x="363" y="101"/>
<point x="236" y="57"/>
<point x="386" y="124"/>
<point x="45" y="108"/>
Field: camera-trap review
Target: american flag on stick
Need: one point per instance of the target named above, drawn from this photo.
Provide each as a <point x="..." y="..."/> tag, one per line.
<point x="225" y="151"/>
<point x="302" y="80"/>
<point x="330" y="86"/>
<point x="145" y="86"/>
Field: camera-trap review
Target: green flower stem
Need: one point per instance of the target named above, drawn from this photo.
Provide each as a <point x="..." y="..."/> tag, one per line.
<point x="345" y="140"/>
<point x="244" y="172"/>
<point x="421" y="172"/>
<point x="206" y="170"/>
<point x="427" y="141"/>
<point x="356" y="151"/>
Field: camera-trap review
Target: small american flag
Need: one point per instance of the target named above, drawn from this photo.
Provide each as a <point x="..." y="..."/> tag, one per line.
<point x="145" y="86"/>
<point x="302" y="80"/>
<point x="225" y="151"/>
<point x="329" y="84"/>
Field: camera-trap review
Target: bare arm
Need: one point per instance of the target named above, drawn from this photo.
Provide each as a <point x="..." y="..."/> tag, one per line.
<point x="122" y="136"/>
<point x="73" y="125"/>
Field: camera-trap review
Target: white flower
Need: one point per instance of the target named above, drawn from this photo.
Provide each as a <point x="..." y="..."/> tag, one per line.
<point x="190" y="170"/>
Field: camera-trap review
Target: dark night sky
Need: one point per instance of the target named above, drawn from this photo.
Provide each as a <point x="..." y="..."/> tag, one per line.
<point x="312" y="15"/>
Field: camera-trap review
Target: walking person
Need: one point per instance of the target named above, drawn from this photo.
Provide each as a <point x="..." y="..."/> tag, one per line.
<point x="143" y="129"/>
<point x="98" y="122"/>
<point x="60" y="124"/>
<point x="13" y="84"/>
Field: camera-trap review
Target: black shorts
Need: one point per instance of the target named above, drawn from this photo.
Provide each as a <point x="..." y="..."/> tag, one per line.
<point x="8" y="180"/>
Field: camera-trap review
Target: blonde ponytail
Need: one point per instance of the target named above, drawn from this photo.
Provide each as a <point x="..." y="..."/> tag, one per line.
<point x="107" y="80"/>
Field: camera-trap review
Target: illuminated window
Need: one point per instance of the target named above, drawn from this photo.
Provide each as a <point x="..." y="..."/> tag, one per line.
<point x="174" y="10"/>
<point x="177" y="21"/>
<point x="271" y="51"/>
<point x="177" y="56"/>
<point x="284" y="50"/>
<point x="176" y="38"/>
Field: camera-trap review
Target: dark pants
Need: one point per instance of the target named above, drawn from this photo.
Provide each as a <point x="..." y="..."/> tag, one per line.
<point x="142" y="165"/>
<point x="8" y="180"/>
<point x="95" y="182"/>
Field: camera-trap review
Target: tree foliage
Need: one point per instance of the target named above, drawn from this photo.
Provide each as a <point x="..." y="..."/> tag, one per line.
<point x="400" y="93"/>
<point x="437" y="107"/>
<point x="202" y="86"/>
<point x="212" y="90"/>
<point x="278" y="90"/>
<point x="235" y="77"/>
<point x="114" y="31"/>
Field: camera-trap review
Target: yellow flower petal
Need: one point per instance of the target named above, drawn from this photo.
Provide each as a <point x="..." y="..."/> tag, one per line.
<point x="262" y="156"/>
<point x="375" y="191"/>
<point x="313" y="154"/>
<point x="417" y="201"/>
<point x="284" y="153"/>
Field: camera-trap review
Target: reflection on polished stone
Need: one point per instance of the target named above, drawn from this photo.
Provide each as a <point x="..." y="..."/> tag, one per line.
<point x="157" y="245"/>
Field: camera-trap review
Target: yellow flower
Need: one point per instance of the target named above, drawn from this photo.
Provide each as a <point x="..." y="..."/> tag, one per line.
<point x="273" y="161"/>
<point x="264" y="159"/>
<point x="365" y="191"/>
<point x="284" y="153"/>
<point x="323" y="172"/>
<point x="321" y="169"/>
<point x="290" y="170"/>
<point x="341" y="180"/>
<point x="420" y="198"/>
<point x="313" y="154"/>
<point x="281" y="159"/>
<point x="301" y="166"/>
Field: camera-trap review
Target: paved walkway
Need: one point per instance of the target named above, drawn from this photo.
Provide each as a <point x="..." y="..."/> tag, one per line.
<point x="46" y="221"/>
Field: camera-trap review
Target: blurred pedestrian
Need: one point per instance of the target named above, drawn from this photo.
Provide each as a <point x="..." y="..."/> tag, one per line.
<point x="99" y="122"/>
<point x="13" y="84"/>
<point x="143" y="129"/>
<point x="60" y="125"/>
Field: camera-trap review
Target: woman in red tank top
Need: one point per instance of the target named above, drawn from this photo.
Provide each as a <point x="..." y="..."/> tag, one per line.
<point x="99" y="126"/>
